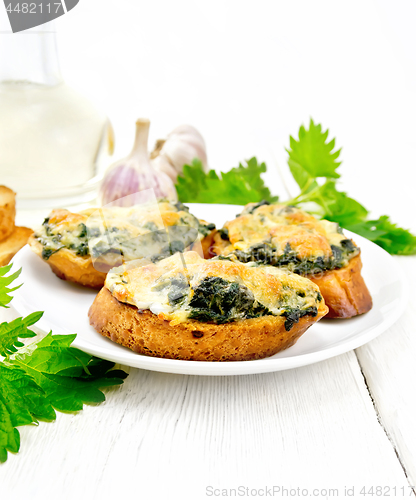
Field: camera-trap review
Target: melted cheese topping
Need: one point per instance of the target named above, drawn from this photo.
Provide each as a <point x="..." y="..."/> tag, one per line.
<point x="281" y="225"/>
<point x="148" y="285"/>
<point x="134" y="232"/>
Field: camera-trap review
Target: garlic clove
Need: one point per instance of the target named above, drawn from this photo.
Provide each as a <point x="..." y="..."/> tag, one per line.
<point x="181" y="146"/>
<point x="133" y="179"/>
<point x="124" y="186"/>
<point x="188" y="130"/>
<point x="180" y="151"/>
<point x="190" y="135"/>
<point x="163" y="164"/>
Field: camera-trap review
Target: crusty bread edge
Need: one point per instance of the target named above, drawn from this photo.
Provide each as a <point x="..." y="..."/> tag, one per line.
<point x="145" y="333"/>
<point x="7" y="212"/>
<point x="344" y="290"/>
<point x="16" y="241"/>
<point x="71" y="267"/>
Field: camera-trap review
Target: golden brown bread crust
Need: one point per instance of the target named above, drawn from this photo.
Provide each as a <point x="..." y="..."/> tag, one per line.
<point x="344" y="290"/>
<point x="16" y="241"/>
<point x="7" y="212"/>
<point x="71" y="267"/>
<point x="145" y="333"/>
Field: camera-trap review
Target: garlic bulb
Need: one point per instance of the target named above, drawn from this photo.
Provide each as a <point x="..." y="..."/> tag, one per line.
<point x="181" y="146"/>
<point x="133" y="179"/>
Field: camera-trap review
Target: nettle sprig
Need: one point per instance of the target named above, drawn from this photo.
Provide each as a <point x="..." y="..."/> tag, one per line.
<point x="44" y="376"/>
<point x="313" y="164"/>
<point x="313" y="161"/>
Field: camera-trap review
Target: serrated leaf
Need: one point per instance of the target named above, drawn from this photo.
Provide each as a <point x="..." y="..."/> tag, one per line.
<point x="311" y="156"/>
<point x="5" y="281"/>
<point x="239" y="186"/>
<point x="63" y="373"/>
<point x="46" y="376"/>
<point x="49" y="374"/>
<point x="389" y="236"/>
<point x="299" y="173"/>
<point x="337" y="205"/>
<point x="22" y="402"/>
<point x="14" y="330"/>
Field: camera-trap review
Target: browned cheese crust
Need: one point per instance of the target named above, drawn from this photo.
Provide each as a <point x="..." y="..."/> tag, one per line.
<point x="344" y="290"/>
<point x="145" y="333"/>
<point x="67" y="265"/>
<point x="71" y="267"/>
<point x="7" y="212"/>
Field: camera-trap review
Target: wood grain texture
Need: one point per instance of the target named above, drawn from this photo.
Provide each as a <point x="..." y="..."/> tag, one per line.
<point x="389" y="366"/>
<point x="174" y="435"/>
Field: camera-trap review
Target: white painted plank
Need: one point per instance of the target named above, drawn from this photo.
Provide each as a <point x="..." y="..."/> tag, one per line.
<point x="176" y="435"/>
<point x="389" y="366"/>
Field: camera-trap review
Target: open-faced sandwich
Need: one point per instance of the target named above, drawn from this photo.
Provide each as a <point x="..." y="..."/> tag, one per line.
<point x="287" y="237"/>
<point x="82" y="247"/>
<point x="185" y="307"/>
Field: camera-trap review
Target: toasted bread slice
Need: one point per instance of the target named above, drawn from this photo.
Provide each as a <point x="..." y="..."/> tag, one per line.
<point x="71" y="267"/>
<point x="16" y="241"/>
<point x="290" y="238"/>
<point x="7" y="212"/>
<point x="118" y="234"/>
<point x="185" y="307"/>
<point x="145" y="333"/>
<point x="344" y="290"/>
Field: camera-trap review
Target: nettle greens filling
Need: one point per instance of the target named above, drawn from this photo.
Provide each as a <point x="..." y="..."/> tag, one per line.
<point x="266" y="254"/>
<point x="52" y="241"/>
<point x="99" y="241"/>
<point x="220" y="301"/>
<point x="216" y="300"/>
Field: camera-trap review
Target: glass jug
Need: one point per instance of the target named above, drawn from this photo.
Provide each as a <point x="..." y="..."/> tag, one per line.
<point x="54" y="143"/>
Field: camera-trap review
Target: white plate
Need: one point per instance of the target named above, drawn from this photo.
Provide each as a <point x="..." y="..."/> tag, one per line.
<point x="66" y="307"/>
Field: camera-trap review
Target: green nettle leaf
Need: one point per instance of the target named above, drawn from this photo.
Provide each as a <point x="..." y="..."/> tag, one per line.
<point x="241" y="185"/>
<point x="192" y="181"/>
<point x="338" y="207"/>
<point x="312" y="156"/>
<point x="44" y="376"/>
<point x="22" y="402"/>
<point x="313" y="162"/>
<point x="18" y="328"/>
<point x="5" y="281"/>
<point x="301" y="176"/>
<point x="63" y="373"/>
<point x="389" y="236"/>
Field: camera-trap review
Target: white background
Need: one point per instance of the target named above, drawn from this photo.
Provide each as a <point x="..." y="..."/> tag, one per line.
<point x="247" y="74"/>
